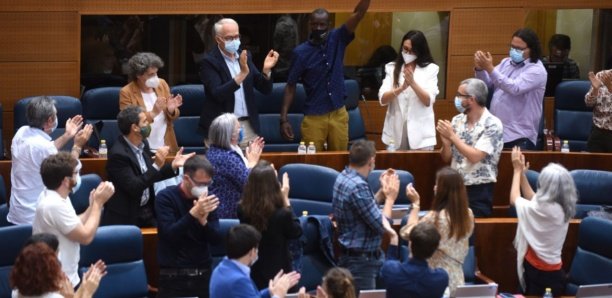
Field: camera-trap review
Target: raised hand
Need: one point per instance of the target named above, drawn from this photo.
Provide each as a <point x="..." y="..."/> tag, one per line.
<point x="270" y="61"/>
<point x="180" y="158"/>
<point x="408" y="73"/>
<point x="81" y="138"/>
<point x="103" y="192"/>
<point x="285" y="188"/>
<point x="174" y="102"/>
<point x="445" y="128"/>
<point x="390" y="186"/>
<point x="253" y="151"/>
<point x="244" y="65"/>
<point x="161" y="154"/>
<point x="73" y="125"/>
<point x="91" y="280"/>
<point x="412" y="194"/>
<point x="518" y="160"/>
<point x="159" y="106"/>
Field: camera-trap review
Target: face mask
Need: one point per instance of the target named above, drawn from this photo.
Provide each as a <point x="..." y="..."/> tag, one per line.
<point x="145" y="131"/>
<point x="516" y="55"/>
<point x="318" y="36"/>
<point x="198" y="191"/>
<point x="240" y="135"/>
<point x="152" y="82"/>
<point x="55" y="123"/>
<point x="232" y="46"/>
<point x="408" y="57"/>
<point x="255" y="260"/>
<point x="458" y="105"/>
<point x="76" y="185"/>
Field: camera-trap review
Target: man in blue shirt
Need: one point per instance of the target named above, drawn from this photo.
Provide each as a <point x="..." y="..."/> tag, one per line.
<point x="187" y="225"/>
<point x="414" y="278"/>
<point x="359" y="219"/>
<point x="318" y="64"/>
<point x="232" y="277"/>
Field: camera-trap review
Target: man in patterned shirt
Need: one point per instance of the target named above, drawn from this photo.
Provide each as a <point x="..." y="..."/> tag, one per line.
<point x="600" y="98"/>
<point x="360" y="220"/>
<point x="473" y="142"/>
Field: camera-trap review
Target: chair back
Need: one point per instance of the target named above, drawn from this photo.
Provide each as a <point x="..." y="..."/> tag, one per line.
<point x="80" y="199"/>
<point x="572" y="118"/>
<point x="120" y="247"/>
<point x="100" y="108"/>
<point x="315" y="261"/>
<point x="592" y="263"/>
<point x="594" y="190"/>
<point x="218" y="251"/>
<point x="311" y="187"/>
<point x="193" y="98"/>
<point x="405" y="179"/>
<point x="14" y="237"/>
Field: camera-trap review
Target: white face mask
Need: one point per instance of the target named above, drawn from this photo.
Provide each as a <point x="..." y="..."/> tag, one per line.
<point x="408" y="57"/>
<point x="256" y="258"/>
<point x="78" y="183"/>
<point x="152" y="82"/>
<point x="55" y="123"/>
<point x="198" y="191"/>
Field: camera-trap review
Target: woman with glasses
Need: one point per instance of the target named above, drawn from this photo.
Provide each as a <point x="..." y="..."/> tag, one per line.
<point x="409" y="91"/>
<point x="265" y="205"/>
<point x="231" y="165"/>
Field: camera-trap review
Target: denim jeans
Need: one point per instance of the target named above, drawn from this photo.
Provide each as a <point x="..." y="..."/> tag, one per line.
<point x="364" y="270"/>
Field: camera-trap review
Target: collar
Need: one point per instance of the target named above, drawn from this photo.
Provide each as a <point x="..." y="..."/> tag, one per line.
<point x="134" y="148"/>
<point x="244" y="268"/>
<point x="40" y="132"/>
<point x="352" y="171"/>
<point x="49" y="193"/>
<point x="418" y="262"/>
<point x="481" y="121"/>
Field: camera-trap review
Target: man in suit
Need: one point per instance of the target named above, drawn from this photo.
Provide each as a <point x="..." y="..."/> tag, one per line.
<point x="232" y="277"/>
<point x="133" y="172"/>
<point x="229" y="77"/>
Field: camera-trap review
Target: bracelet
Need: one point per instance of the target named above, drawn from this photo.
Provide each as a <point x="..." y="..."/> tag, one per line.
<point x="416" y="206"/>
<point x="75" y="147"/>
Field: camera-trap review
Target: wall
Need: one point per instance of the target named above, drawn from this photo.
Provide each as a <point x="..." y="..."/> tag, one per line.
<point x="577" y="23"/>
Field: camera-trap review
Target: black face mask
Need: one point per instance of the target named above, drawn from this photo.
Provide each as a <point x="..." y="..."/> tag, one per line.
<point x="318" y="36"/>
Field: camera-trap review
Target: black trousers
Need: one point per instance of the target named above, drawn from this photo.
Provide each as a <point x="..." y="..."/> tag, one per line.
<point x="480" y="197"/>
<point x="600" y="140"/>
<point x="184" y="286"/>
<point x="536" y="281"/>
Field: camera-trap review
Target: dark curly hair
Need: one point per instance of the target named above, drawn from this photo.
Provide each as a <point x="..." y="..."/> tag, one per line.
<point x="36" y="271"/>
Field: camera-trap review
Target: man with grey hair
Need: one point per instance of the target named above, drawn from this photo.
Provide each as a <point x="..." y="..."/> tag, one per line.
<point x="473" y="142"/>
<point x="30" y="146"/>
<point x="229" y="77"/>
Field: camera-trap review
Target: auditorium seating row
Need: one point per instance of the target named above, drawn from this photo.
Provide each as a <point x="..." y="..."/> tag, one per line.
<point x="100" y="107"/>
<point x="594" y="189"/>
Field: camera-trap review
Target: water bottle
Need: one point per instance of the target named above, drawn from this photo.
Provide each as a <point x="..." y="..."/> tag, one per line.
<point x="305" y="213"/>
<point x="302" y="148"/>
<point x="565" y="147"/>
<point x="311" y="148"/>
<point x="391" y="146"/>
<point x="103" y="150"/>
<point x="548" y="293"/>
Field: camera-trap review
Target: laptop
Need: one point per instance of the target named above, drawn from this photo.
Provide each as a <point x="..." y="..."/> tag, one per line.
<point x="555" y="76"/>
<point x="373" y="293"/>
<point x="595" y="291"/>
<point x="476" y="291"/>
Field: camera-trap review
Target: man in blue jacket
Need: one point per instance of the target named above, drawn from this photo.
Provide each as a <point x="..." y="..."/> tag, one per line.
<point x="232" y="277"/>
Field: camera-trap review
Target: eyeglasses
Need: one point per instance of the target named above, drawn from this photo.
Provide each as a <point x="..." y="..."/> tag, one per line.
<point x="196" y="183"/>
<point x="518" y="48"/>
<point x="462" y="95"/>
<point x="230" y="38"/>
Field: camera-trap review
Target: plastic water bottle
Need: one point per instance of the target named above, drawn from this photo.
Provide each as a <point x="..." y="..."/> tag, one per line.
<point x="391" y="146"/>
<point x="548" y="293"/>
<point x="311" y="148"/>
<point x="103" y="150"/>
<point x="302" y="148"/>
<point x="565" y="147"/>
<point x="305" y="213"/>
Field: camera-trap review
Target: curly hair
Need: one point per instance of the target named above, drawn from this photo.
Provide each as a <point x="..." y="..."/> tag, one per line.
<point x="36" y="271"/>
<point x="261" y="196"/>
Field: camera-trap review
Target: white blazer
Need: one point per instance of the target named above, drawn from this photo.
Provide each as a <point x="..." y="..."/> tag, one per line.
<point x="407" y="108"/>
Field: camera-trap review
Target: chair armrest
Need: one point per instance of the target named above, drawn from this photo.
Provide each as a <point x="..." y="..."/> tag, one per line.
<point x="483" y="278"/>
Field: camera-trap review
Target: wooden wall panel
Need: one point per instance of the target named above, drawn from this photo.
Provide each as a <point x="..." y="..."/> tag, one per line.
<point x="461" y="68"/>
<point x="39" y="36"/>
<point x="486" y="29"/>
<point x="37" y="78"/>
<point x="38" y="5"/>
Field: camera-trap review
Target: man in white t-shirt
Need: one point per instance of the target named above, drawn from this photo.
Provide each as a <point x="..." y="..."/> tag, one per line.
<point x="30" y="146"/>
<point x="55" y="214"/>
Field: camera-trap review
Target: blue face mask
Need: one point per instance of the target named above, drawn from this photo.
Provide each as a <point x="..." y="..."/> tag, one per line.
<point x="76" y="187"/>
<point x="458" y="105"/>
<point x="232" y="46"/>
<point x="240" y="135"/>
<point x="516" y="55"/>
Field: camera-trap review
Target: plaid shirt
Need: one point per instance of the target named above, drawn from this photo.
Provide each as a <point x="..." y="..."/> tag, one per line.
<point x="356" y="212"/>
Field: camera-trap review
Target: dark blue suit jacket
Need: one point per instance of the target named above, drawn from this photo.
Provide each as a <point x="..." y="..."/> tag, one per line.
<point x="219" y="87"/>
<point x="229" y="281"/>
<point x="412" y="279"/>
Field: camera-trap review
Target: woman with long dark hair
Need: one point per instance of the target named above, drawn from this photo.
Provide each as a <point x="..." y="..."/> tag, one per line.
<point x="338" y="282"/>
<point x="409" y="91"/>
<point x="265" y="205"/>
<point x="453" y="219"/>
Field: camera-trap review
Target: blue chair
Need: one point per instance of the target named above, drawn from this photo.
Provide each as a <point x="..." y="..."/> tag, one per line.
<point x="218" y="250"/>
<point x="592" y="263"/>
<point x="405" y="179"/>
<point x="14" y="237"/>
<point x="120" y="247"/>
<point x="4" y="210"/>
<point x="80" y="199"/>
<point x="573" y="119"/>
<point x="193" y="98"/>
<point x="187" y="125"/>
<point x="594" y="190"/>
<point x="3" y="198"/>
<point x="100" y="108"/>
<point x="311" y="187"/>
<point x="67" y="107"/>
<point x="315" y="261"/>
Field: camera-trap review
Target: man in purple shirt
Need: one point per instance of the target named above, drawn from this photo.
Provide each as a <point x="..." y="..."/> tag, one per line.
<point x="518" y="82"/>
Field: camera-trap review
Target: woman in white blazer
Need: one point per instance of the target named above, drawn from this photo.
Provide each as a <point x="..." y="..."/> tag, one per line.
<point x="409" y="91"/>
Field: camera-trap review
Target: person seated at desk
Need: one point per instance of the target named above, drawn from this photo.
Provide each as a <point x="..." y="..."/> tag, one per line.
<point x="414" y="278"/>
<point x="559" y="48"/>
